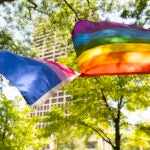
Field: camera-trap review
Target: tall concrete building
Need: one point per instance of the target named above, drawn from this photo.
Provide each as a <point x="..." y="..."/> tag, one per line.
<point x="51" y="47"/>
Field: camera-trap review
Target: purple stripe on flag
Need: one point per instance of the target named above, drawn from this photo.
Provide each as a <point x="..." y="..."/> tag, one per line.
<point x="86" y="26"/>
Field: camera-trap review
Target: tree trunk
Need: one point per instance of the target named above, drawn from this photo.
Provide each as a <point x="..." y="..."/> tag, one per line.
<point x="117" y="130"/>
<point x="117" y="135"/>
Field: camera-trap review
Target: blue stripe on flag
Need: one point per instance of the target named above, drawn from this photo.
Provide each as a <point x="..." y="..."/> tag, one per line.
<point x="82" y="39"/>
<point x="31" y="77"/>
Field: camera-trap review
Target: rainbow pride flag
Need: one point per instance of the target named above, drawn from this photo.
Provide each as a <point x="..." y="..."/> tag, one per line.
<point x="110" y="48"/>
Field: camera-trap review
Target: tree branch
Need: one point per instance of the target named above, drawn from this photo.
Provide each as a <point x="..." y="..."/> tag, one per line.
<point x="39" y="10"/>
<point x="9" y="1"/>
<point x="105" y="101"/>
<point x="120" y="102"/>
<point x="33" y="3"/>
<point x="72" y="9"/>
<point x="146" y="20"/>
<point x="101" y="133"/>
<point x="88" y="3"/>
<point x="3" y="1"/>
<point x="35" y="7"/>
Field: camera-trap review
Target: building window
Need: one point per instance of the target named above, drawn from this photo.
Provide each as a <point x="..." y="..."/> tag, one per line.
<point x="68" y="98"/>
<point x="60" y="93"/>
<point x="40" y="113"/>
<point x="44" y="107"/>
<point x="60" y="99"/>
<point x="54" y="100"/>
<point x="47" y="102"/>
<point x="91" y="144"/>
<point x="54" y="95"/>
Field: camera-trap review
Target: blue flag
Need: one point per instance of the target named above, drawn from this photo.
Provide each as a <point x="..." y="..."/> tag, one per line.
<point x="35" y="79"/>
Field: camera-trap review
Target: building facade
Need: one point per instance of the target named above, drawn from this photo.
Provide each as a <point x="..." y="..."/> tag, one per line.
<point x="49" y="47"/>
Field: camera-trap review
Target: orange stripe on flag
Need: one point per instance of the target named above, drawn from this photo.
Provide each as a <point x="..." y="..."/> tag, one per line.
<point x="115" y="57"/>
<point x="119" y="68"/>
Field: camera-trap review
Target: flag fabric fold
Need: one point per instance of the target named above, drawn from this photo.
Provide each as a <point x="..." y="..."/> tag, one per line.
<point x="110" y="48"/>
<point x="36" y="79"/>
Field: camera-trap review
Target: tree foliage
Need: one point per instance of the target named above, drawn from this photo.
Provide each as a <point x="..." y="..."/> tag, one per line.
<point x="18" y="130"/>
<point x="139" y="138"/>
<point x="139" y="11"/>
<point x="21" y="16"/>
<point x="99" y="106"/>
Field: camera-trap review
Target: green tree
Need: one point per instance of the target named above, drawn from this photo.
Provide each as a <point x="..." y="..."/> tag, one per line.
<point x="21" y="17"/>
<point x="8" y="43"/>
<point x="99" y="106"/>
<point x="18" y="130"/>
<point x="15" y="28"/>
<point x="107" y="96"/>
<point x="116" y="95"/>
<point x="140" y="137"/>
<point x="139" y="11"/>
